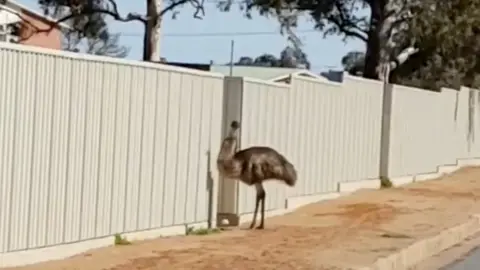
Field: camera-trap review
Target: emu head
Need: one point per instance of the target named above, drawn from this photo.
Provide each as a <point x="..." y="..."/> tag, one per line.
<point x="229" y="144"/>
<point x="234" y="126"/>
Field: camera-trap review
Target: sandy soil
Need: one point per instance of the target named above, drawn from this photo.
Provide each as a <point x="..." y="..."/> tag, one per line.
<point x="338" y="234"/>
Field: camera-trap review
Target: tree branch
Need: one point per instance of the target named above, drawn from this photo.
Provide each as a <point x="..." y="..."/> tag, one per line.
<point x="345" y="29"/>
<point x="79" y="11"/>
<point x="112" y="10"/>
<point x="197" y="4"/>
<point x="346" y="25"/>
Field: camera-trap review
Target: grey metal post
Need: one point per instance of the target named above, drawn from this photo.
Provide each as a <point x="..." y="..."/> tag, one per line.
<point x="385" y="130"/>
<point x="232" y="110"/>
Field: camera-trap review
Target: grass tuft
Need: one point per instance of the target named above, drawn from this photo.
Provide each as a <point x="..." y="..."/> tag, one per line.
<point x="385" y="182"/>
<point x="120" y="241"/>
<point x="202" y="231"/>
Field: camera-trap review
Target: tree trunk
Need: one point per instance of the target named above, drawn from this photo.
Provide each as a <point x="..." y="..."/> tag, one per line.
<point x="151" y="36"/>
<point x="388" y="18"/>
<point x="372" y="54"/>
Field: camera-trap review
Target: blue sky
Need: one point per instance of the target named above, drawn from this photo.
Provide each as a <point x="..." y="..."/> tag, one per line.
<point x="322" y="53"/>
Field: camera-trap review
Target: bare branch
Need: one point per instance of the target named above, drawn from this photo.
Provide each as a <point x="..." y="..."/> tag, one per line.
<point x="346" y="25"/>
<point x="112" y="10"/>
<point x="198" y="5"/>
<point x="347" y="29"/>
<point x="116" y="14"/>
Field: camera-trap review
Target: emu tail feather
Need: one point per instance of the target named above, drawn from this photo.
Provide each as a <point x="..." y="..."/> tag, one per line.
<point x="290" y="174"/>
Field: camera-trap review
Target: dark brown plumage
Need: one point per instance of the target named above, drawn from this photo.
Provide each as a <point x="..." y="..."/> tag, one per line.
<point x="253" y="166"/>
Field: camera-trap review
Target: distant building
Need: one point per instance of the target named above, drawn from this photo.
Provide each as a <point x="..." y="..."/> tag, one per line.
<point x="20" y="24"/>
<point x="264" y="73"/>
<point x="333" y="75"/>
<point x="276" y="74"/>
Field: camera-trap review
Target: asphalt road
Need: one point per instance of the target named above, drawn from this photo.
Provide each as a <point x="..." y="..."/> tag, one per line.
<point x="469" y="262"/>
<point x="464" y="256"/>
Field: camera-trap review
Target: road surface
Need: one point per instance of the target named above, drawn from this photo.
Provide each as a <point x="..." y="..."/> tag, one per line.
<point x="470" y="262"/>
<point x="465" y="256"/>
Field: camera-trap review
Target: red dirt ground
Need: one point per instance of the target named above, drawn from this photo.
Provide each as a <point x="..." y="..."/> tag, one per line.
<point x="338" y="234"/>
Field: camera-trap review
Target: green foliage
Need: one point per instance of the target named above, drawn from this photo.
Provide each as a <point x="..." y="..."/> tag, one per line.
<point x="332" y="17"/>
<point x="353" y="62"/>
<point x="120" y="241"/>
<point x="448" y="36"/>
<point x="371" y="21"/>
<point x="385" y="182"/>
<point x="88" y="31"/>
<point x="290" y="57"/>
<point x="87" y="19"/>
<point x="201" y="231"/>
<point x="78" y="15"/>
<point x="101" y="43"/>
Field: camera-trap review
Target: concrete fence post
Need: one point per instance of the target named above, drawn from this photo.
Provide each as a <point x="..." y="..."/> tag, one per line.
<point x="232" y="110"/>
<point x="385" y="130"/>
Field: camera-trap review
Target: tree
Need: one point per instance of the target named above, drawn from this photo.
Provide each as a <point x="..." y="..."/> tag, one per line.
<point x="294" y="57"/>
<point x="353" y="62"/>
<point x="85" y="13"/>
<point x="105" y="44"/>
<point x="448" y="36"/>
<point x="96" y="40"/>
<point x="289" y="57"/>
<point x="245" y="61"/>
<point x="379" y="28"/>
<point x="266" y="60"/>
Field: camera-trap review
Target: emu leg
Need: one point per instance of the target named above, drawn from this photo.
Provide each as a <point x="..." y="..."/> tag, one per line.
<point x="261" y="197"/>
<point x="257" y="203"/>
<point x="260" y="194"/>
<point x="262" y="213"/>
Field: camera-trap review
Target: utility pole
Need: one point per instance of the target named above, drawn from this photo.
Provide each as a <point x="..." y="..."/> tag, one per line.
<point x="232" y="48"/>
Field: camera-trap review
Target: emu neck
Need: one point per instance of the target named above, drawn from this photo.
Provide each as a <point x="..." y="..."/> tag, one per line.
<point x="227" y="149"/>
<point x="226" y="164"/>
<point x="229" y="168"/>
<point x="225" y="155"/>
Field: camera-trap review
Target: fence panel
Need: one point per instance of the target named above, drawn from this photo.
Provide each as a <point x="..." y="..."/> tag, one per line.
<point x="429" y="129"/>
<point x="338" y="129"/>
<point x="264" y="113"/>
<point x="91" y="146"/>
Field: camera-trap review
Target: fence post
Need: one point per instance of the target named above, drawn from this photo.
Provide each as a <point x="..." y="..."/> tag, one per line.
<point x="232" y="110"/>
<point x="385" y="130"/>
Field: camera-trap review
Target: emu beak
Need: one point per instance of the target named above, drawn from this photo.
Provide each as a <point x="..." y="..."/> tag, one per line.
<point x="235" y="124"/>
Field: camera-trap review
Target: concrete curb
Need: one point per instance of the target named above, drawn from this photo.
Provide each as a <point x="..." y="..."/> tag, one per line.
<point x="426" y="248"/>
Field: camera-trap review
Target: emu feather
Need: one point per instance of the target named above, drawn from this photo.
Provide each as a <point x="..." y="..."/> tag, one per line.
<point x="253" y="166"/>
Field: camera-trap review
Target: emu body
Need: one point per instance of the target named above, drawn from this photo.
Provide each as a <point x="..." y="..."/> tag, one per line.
<point x="253" y="166"/>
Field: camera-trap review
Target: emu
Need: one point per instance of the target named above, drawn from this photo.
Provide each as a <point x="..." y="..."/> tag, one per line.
<point x="253" y="166"/>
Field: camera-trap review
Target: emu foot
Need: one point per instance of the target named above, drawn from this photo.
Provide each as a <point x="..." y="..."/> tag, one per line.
<point x="251" y="226"/>
<point x="260" y="227"/>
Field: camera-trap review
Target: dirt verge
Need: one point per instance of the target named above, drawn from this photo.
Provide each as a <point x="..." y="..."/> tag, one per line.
<point x="338" y="234"/>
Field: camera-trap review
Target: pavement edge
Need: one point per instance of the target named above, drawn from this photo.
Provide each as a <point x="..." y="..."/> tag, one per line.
<point x="426" y="248"/>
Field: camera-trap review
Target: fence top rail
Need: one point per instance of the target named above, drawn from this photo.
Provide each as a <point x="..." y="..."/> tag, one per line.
<point x="300" y="72"/>
<point x="104" y="59"/>
<point x="270" y="83"/>
<point x="466" y="88"/>
<point x="316" y="80"/>
<point x="360" y="79"/>
<point x="411" y="89"/>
